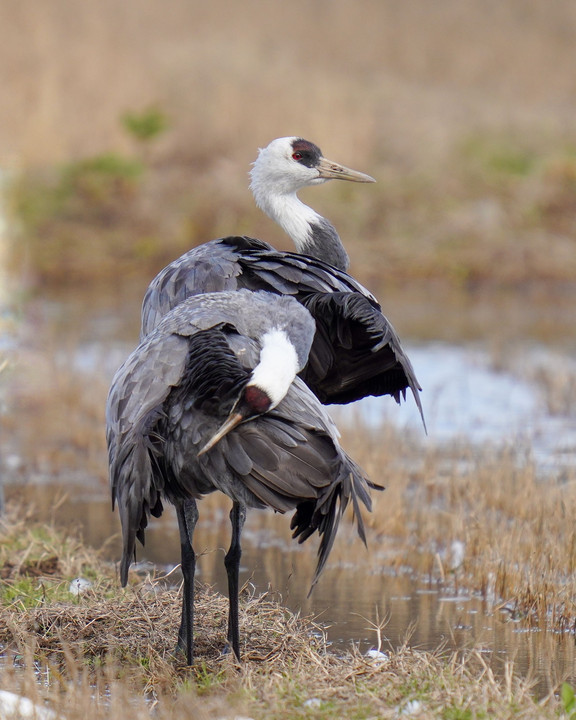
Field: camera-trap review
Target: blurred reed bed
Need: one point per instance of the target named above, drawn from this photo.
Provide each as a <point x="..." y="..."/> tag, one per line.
<point x="108" y="221"/>
<point x="53" y="426"/>
<point x="463" y="112"/>
<point x="379" y="76"/>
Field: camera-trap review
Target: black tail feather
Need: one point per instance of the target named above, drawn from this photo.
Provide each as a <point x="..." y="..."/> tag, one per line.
<point x="323" y="514"/>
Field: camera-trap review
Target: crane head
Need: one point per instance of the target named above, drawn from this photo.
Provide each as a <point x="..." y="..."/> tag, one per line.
<point x="252" y="402"/>
<point x="291" y="163"/>
<point x="270" y="380"/>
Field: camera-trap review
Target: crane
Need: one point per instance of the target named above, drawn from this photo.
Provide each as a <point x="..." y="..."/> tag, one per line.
<point x="210" y="401"/>
<point x="356" y="351"/>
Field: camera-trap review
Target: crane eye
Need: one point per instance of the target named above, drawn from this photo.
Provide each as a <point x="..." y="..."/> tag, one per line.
<point x="297" y="156"/>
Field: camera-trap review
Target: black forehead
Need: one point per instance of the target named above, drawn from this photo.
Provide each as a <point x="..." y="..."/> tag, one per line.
<point x="311" y="153"/>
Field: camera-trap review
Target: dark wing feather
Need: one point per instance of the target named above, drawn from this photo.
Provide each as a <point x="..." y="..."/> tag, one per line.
<point x="356" y="353"/>
<point x="207" y="268"/>
<point x="165" y="393"/>
<point x="286" y="459"/>
<point x="238" y="262"/>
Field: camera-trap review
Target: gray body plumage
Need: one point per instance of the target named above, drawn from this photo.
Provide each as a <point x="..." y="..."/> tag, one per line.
<point x="323" y="242"/>
<point x="356" y="351"/>
<point x="175" y="389"/>
<point x="198" y="351"/>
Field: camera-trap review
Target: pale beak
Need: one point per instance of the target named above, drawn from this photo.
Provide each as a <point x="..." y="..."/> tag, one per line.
<point x="329" y="170"/>
<point x="232" y="421"/>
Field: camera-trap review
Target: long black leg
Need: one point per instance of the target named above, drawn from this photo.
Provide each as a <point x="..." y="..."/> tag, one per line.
<point x="232" y="563"/>
<point x="187" y="514"/>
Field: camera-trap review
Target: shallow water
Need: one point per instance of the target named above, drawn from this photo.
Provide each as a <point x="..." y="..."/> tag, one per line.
<point x="467" y="397"/>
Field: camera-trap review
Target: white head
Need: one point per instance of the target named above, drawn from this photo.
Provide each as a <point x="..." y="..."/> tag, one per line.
<point x="277" y="367"/>
<point x="288" y="164"/>
<point x="269" y="383"/>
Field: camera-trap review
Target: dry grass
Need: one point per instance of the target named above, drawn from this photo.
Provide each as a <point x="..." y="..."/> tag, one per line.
<point x="511" y="521"/>
<point x="492" y="502"/>
<point x="117" y="648"/>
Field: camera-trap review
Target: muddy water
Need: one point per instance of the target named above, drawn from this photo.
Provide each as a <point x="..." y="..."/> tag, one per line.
<point x="479" y="392"/>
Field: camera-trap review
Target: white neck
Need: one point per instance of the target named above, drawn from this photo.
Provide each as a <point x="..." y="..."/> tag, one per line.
<point x="293" y="216"/>
<point x="277" y="367"/>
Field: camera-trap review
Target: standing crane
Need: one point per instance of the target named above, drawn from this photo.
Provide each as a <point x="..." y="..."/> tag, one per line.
<point x="210" y="400"/>
<point x="355" y="352"/>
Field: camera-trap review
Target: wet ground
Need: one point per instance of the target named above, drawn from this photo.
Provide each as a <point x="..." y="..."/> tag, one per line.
<point x="497" y="393"/>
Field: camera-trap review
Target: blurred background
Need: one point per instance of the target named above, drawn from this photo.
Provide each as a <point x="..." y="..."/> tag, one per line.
<point x="127" y="130"/>
<point x="463" y="111"/>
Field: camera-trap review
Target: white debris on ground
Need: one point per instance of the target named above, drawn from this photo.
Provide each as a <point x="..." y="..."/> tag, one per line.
<point x="79" y="585"/>
<point x="376" y="657"/>
<point x="16" y="706"/>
